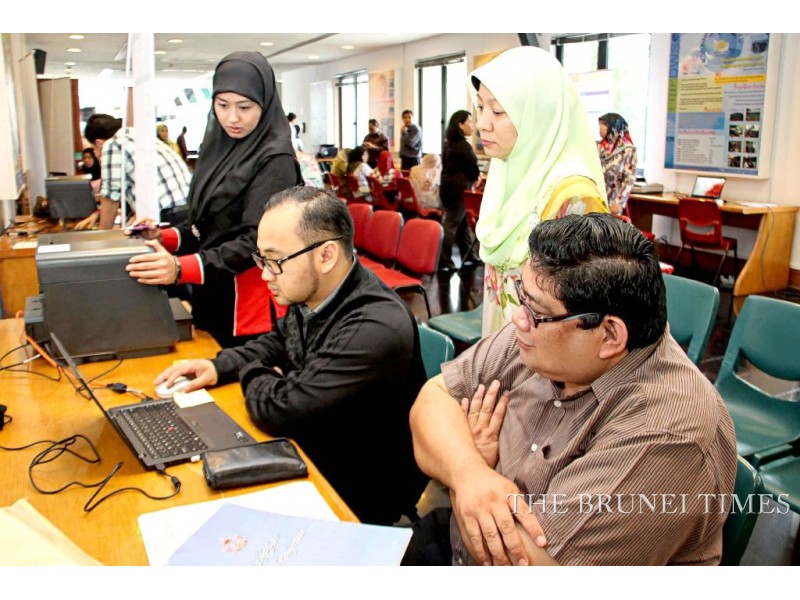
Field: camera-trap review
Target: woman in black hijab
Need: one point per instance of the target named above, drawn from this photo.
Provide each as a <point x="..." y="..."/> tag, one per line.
<point x="245" y="158"/>
<point x="91" y="166"/>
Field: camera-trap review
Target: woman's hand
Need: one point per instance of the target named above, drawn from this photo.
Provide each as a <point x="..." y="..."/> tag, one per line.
<point x="153" y="268"/>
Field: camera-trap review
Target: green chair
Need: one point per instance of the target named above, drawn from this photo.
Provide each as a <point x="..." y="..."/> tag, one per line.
<point x="783" y="477"/>
<point x="740" y="524"/>
<point x="461" y="326"/>
<point x="766" y="334"/>
<point x="436" y="348"/>
<point x="691" y="312"/>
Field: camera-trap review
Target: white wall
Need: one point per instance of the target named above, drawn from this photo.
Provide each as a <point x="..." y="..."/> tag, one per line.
<point x="783" y="184"/>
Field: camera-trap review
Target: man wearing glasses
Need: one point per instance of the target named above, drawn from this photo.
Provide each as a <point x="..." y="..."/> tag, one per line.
<point x="341" y="370"/>
<point x="580" y="433"/>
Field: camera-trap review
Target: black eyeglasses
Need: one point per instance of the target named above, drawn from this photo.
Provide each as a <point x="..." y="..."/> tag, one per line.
<point x="273" y="265"/>
<point x="536" y="318"/>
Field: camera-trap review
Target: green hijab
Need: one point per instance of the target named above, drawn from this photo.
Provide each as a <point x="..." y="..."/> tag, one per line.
<point x="554" y="142"/>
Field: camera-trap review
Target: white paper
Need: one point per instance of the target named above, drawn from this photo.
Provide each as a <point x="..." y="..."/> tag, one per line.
<point x="26" y="245"/>
<point x="165" y="531"/>
<point x="48" y="248"/>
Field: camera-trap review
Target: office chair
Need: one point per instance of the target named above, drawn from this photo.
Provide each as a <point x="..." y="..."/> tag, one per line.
<point x="418" y="252"/>
<point x="691" y="312"/>
<point x="765" y="334"/>
<point x="701" y="226"/>
<point x="739" y="525"/>
<point x="361" y="215"/>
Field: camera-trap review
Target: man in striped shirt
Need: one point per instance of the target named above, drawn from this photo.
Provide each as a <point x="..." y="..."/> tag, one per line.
<point x="110" y="142"/>
<point x="580" y="433"/>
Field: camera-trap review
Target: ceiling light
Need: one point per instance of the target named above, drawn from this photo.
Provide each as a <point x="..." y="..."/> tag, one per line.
<point x="267" y="44"/>
<point x="313" y="57"/>
<point x="348" y="47"/>
<point x="70" y="64"/>
<point x="76" y="36"/>
<point x="176" y="41"/>
<point x="159" y="52"/>
<point x="73" y="49"/>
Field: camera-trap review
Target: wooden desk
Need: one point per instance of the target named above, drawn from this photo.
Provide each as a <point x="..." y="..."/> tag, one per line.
<point x="18" y="277"/>
<point x="767" y="267"/>
<point x="44" y="409"/>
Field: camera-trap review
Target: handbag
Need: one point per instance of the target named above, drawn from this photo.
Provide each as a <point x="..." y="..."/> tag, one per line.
<point x="274" y="460"/>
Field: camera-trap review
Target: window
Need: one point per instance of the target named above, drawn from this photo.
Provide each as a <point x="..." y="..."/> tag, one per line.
<point x="441" y="90"/>
<point x="353" y="108"/>
<point x="611" y="72"/>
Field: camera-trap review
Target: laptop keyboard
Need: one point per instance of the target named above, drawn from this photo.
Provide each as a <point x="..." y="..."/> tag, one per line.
<point x="161" y="431"/>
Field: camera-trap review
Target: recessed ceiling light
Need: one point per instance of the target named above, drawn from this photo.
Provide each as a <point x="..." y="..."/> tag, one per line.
<point x="160" y="52"/>
<point x="175" y="41"/>
<point x="313" y="57"/>
<point x="348" y="47"/>
<point x="73" y="49"/>
<point x="267" y="44"/>
<point x="70" y="64"/>
<point x="76" y="36"/>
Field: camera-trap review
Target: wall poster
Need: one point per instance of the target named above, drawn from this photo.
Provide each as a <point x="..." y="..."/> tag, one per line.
<point x="381" y="102"/>
<point x="717" y="97"/>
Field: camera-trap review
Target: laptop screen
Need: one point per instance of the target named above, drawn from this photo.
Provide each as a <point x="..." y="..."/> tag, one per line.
<point x="708" y="187"/>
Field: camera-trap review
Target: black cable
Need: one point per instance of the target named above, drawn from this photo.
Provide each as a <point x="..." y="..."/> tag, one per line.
<point x="104" y="373"/>
<point x="12" y="367"/>
<point x="56" y="449"/>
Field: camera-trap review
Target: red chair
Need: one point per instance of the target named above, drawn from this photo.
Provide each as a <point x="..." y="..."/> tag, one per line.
<point x="361" y="215"/>
<point x="665" y="267"/>
<point x="379" y="199"/>
<point x="472" y="202"/>
<point x="353" y="190"/>
<point x="418" y="253"/>
<point x="381" y="238"/>
<point x="701" y="226"/>
<point x="409" y="203"/>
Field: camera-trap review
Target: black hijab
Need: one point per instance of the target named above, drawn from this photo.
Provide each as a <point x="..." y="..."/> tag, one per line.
<point x="226" y="166"/>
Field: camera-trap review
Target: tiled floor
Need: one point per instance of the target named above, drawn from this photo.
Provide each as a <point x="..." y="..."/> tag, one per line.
<point x="774" y="536"/>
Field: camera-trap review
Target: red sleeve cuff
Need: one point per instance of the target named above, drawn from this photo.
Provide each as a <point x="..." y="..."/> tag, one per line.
<point x="191" y="269"/>
<point x="170" y="239"/>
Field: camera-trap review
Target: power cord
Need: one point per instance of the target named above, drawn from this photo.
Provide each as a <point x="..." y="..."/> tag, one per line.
<point x="56" y="449"/>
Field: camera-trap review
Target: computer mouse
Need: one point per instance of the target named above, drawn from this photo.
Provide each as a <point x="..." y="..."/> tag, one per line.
<point x="167" y="391"/>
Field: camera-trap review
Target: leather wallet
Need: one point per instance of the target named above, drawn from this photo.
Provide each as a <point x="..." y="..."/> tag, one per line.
<point x="274" y="460"/>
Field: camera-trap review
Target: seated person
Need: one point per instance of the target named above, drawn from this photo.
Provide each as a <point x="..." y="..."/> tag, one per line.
<point x="309" y="168"/>
<point x="340" y="371"/>
<point x="425" y="180"/>
<point x="357" y="167"/>
<point x="582" y="421"/>
<point x="385" y="169"/>
<point x="339" y="164"/>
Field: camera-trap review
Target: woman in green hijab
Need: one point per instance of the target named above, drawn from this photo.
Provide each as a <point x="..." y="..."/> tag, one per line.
<point x="544" y="164"/>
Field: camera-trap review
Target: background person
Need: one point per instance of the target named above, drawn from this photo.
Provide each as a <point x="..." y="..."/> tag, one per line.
<point x="618" y="158"/>
<point x="410" y="142"/>
<point x="246" y="157"/>
<point x="425" y="178"/>
<point x="162" y="133"/>
<point x="459" y="173"/>
<point x="544" y="163"/>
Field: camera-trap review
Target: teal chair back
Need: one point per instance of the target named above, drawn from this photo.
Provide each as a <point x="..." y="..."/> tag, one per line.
<point x="461" y="326"/>
<point x="766" y="333"/>
<point x="436" y="348"/>
<point x="691" y="312"/>
<point x="740" y="523"/>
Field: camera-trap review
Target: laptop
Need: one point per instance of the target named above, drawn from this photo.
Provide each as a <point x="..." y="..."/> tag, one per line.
<point x="160" y="433"/>
<point x="708" y="187"/>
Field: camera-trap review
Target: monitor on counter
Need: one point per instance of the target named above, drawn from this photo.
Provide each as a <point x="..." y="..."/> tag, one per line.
<point x="70" y="197"/>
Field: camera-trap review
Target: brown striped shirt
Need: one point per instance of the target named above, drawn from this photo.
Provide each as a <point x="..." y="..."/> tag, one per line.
<point x="621" y="473"/>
